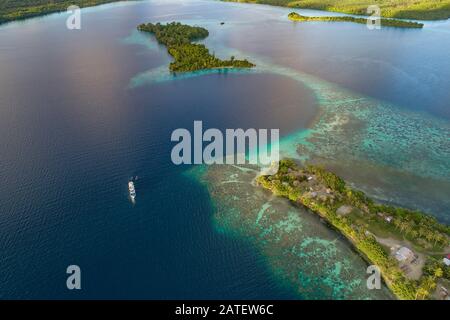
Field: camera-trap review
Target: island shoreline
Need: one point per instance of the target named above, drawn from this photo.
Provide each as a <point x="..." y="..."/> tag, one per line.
<point x="23" y="13"/>
<point x="423" y="17"/>
<point x="188" y="55"/>
<point x="306" y="187"/>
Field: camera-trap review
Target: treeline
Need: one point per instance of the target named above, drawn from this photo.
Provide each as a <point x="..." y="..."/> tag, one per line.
<point x="405" y="9"/>
<point x="421" y="229"/>
<point x="175" y="33"/>
<point x="384" y="22"/>
<point x="291" y="182"/>
<point x="189" y="56"/>
<point x="11" y="10"/>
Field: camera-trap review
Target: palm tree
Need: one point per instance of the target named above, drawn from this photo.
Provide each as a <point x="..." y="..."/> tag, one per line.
<point x="414" y="233"/>
<point x="421" y="292"/>
<point x="409" y="227"/>
<point x="438" y="273"/>
<point x="429" y="235"/>
<point x="403" y="225"/>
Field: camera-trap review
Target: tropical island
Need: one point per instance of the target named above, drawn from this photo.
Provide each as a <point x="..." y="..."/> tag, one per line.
<point x="11" y="10"/>
<point x="405" y="9"/>
<point x="294" y="16"/>
<point x="410" y="248"/>
<point x="189" y="56"/>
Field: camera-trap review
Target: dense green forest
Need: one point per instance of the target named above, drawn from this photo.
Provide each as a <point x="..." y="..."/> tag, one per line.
<point x="325" y="194"/>
<point x="404" y="9"/>
<point x="189" y="56"/>
<point x="21" y="9"/>
<point x="384" y="22"/>
<point x="409" y="9"/>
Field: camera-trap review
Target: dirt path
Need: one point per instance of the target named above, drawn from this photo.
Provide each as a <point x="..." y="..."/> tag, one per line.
<point x="412" y="270"/>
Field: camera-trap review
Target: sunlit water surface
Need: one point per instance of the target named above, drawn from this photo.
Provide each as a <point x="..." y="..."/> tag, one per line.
<point x="82" y="111"/>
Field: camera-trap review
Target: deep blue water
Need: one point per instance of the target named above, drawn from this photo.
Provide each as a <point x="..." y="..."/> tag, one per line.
<point x="73" y="131"/>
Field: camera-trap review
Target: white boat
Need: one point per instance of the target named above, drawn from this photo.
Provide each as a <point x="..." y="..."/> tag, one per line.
<point x="132" y="190"/>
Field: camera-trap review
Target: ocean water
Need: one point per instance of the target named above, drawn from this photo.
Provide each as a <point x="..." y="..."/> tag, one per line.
<point x="83" y="111"/>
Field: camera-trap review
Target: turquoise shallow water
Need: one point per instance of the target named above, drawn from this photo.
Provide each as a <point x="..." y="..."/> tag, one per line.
<point x="105" y="107"/>
<point x="354" y="130"/>
<point x="303" y="254"/>
<point x="396" y="155"/>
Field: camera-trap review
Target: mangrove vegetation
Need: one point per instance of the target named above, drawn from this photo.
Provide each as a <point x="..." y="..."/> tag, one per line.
<point x="11" y="10"/>
<point x="384" y="22"/>
<point x="189" y="56"/>
<point x="405" y="9"/>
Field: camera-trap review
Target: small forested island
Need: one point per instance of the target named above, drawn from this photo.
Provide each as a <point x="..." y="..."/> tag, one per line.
<point x="294" y="16"/>
<point x="410" y="248"/>
<point x="11" y="10"/>
<point x="405" y="9"/>
<point x="189" y="56"/>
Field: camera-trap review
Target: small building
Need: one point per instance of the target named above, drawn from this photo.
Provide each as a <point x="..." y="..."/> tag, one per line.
<point x="385" y="217"/>
<point x="404" y="254"/>
<point x="446" y="260"/>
